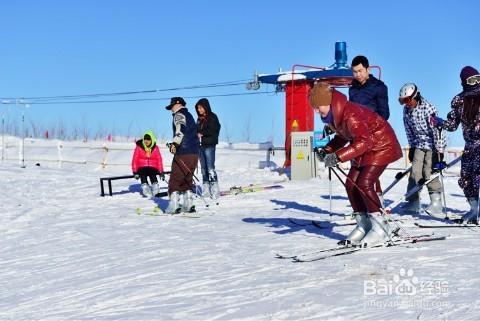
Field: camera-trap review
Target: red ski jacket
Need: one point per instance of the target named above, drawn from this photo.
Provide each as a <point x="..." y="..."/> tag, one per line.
<point x="371" y="139"/>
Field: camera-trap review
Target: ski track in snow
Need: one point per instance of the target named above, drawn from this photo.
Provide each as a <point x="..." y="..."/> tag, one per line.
<point x="68" y="254"/>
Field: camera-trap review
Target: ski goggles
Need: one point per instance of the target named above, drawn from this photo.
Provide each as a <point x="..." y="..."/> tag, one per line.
<point x="404" y="100"/>
<point x="473" y="80"/>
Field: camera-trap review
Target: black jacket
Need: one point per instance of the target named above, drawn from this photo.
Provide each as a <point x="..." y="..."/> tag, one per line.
<point x="373" y="94"/>
<point x="208" y="126"/>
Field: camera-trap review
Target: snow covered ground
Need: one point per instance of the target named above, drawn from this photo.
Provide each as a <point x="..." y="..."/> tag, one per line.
<point x="69" y="254"/>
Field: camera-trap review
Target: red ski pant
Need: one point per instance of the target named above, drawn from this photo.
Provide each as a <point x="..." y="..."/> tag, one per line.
<point x="360" y="186"/>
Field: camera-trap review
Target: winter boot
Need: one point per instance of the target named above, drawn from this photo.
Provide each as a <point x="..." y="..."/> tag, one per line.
<point x="471" y="216"/>
<point x="412" y="206"/>
<point x="363" y="226"/>
<point x="187" y="205"/>
<point x="155" y="188"/>
<point x="206" y="189"/>
<point x="174" y="204"/>
<point x="435" y="209"/>
<point x="379" y="233"/>
<point x="146" y="191"/>
<point x="214" y="190"/>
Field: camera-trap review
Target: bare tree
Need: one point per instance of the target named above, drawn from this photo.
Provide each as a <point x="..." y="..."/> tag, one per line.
<point x="247" y="128"/>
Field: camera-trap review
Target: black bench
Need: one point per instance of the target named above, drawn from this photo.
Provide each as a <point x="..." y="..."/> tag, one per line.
<point x="113" y="178"/>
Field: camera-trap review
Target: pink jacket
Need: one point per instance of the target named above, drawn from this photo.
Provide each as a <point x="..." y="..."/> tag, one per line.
<point x="142" y="158"/>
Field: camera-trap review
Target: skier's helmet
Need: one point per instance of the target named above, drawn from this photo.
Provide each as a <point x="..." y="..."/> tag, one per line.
<point x="407" y="92"/>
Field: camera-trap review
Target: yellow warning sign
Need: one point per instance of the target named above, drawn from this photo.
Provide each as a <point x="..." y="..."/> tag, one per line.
<point x="294" y="124"/>
<point x="300" y="155"/>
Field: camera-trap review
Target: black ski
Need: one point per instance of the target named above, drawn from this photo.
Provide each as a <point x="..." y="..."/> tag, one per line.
<point x="445" y="225"/>
<point x="350" y="250"/>
<point x="319" y="224"/>
<point x="418" y="187"/>
<point x="398" y="178"/>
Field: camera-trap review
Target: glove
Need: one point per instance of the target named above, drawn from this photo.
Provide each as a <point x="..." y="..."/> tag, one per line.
<point x="437" y="162"/>
<point x="411" y="153"/>
<point x="436" y="121"/>
<point x="136" y="176"/>
<point x="172" y="147"/>
<point x="331" y="160"/>
<point x="327" y="130"/>
<point x="320" y="153"/>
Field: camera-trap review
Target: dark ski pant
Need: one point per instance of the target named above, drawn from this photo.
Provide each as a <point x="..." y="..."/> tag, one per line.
<point x="181" y="176"/>
<point x="470" y="172"/>
<point x="150" y="172"/>
<point x="360" y="187"/>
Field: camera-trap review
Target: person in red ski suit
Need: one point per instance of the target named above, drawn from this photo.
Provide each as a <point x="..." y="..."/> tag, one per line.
<point x="372" y="145"/>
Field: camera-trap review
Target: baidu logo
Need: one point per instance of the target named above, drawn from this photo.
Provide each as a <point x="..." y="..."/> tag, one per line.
<point x="403" y="283"/>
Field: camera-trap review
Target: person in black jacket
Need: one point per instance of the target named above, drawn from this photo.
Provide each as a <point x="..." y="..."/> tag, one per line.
<point x="370" y="92"/>
<point x="367" y="90"/>
<point x="208" y="129"/>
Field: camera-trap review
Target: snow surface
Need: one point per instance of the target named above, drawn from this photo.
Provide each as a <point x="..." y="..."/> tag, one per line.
<point x="69" y="254"/>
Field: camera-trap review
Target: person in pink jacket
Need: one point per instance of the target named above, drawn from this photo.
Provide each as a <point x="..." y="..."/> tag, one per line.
<point x="147" y="162"/>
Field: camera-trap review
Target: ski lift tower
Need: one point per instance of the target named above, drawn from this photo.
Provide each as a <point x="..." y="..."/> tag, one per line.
<point x="299" y="116"/>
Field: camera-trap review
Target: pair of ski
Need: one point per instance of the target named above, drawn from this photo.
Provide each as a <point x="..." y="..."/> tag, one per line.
<point x="156" y="211"/>
<point x="345" y="250"/>
<point x="235" y="190"/>
<point x="447" y="225"/>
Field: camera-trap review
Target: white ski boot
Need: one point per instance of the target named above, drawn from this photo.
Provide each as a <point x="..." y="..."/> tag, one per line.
<point x="146" y="191"/>
<point x="435" y="209"/>
<point x="174" y="204"/>
<point x="472" y="215"/>
<point x="358" y="233"/>
<point x="379" y="233"/>
<point x="206" y="189"/>
<point x="155" y="188"/>
<point x="214" y="190"/>
<point x="188" y="206"/>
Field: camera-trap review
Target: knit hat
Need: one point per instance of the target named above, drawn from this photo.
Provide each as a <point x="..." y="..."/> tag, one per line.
<point x="466" y="72"/>
<point x="320" y="95"/>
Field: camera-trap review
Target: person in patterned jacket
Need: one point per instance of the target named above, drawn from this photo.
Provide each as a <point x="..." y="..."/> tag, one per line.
<point x="465" y="110"/>
<point x="184" y="147"/>
<point x="427" y="145"/>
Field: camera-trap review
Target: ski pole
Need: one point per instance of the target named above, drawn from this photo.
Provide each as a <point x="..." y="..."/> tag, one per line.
<point x="444" y="209"/>
<point x="330" y="190"/>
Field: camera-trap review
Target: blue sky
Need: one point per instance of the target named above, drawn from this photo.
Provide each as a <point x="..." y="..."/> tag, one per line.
<point x="52" y="48"/>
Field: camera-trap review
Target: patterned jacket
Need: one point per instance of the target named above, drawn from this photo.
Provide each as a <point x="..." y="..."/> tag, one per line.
<point x="185" y="132"/>
<point x="420" y="133"/>
<point x="471" y="134"/>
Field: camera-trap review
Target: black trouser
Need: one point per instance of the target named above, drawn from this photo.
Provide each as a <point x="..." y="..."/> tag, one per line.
<point x="145" y="172"/>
